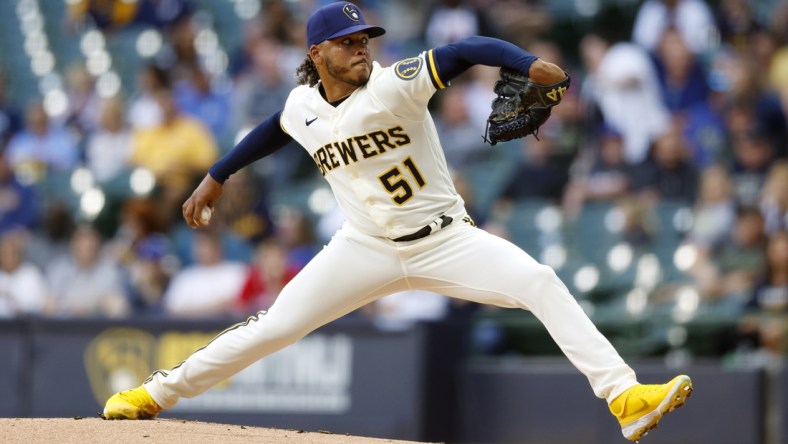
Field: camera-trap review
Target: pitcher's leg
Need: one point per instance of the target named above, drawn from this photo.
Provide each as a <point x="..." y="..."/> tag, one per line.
<point x="341" y="278"/>
<point x="488" y="269"/>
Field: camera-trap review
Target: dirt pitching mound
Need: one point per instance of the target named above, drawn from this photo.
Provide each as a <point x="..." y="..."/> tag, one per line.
<point x="96" y="430"/>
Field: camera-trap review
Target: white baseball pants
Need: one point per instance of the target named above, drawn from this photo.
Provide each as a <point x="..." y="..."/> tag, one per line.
<point x="355" y="269"/>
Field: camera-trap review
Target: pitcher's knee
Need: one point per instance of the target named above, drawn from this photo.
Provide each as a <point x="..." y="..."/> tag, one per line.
<point x="540" y="286"/>
<point x="540" y="276"/>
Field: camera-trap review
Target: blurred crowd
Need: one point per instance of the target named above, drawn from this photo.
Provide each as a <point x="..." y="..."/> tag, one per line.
<point x="685" y="102"/>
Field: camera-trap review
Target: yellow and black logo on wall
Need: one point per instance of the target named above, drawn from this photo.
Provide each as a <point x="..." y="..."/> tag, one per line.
<point x="118" y="359"/>
<point x="121" y="358"/>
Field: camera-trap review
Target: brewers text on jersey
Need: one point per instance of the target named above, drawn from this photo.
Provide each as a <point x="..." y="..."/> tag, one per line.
<point x="369" y="145"/>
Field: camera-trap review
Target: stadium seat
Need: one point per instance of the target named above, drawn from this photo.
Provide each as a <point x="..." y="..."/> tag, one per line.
<point x="522" y="224"/>
<point x="592" y="234"/>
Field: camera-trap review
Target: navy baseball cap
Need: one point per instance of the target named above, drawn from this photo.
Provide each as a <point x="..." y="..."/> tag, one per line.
<point x="335" y="20"/>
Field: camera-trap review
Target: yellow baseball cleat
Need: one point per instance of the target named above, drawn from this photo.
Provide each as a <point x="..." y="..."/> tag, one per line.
<point x="640" y="407"/>
<point x="131" y="404"/>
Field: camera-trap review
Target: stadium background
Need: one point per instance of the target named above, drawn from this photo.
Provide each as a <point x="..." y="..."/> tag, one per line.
<point x="658" y="193"/>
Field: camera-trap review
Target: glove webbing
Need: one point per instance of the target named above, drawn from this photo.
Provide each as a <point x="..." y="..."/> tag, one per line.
<point x="515" y="125"/>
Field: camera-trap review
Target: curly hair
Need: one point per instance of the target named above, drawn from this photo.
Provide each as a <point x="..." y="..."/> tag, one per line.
<point x="307" y="72"/>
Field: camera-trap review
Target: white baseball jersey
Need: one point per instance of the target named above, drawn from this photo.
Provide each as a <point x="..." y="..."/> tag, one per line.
<point x="379" y="149"/>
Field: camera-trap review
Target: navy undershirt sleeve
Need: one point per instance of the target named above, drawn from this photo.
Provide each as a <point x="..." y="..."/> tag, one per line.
<point x="453" y="59"/>
<point x="266" y="138"/>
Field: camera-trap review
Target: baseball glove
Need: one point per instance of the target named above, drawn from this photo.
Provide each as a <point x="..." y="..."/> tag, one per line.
<point x="521" y="107"/>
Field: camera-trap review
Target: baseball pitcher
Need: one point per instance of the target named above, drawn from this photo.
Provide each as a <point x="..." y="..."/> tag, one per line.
<point x="371" y="136"/>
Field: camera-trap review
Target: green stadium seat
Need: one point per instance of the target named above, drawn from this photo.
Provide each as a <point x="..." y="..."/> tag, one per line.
<point x="522" y="224"/>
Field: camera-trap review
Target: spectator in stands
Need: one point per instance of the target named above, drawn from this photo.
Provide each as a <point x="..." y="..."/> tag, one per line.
<point x="774" y="199"/>
<point x="609" y="177"/>
<point x="163" y="14"/>
<point x="625" y="88"/>
<point x="276" y="17"/>
<point x="268" y="273"/>
<point x="296" y="231"/>
<point x="771" y="293"/>
<point x="144" y="111"/>
<point x="147" y="273"/>
<point x="693" y="19"/>
<point x="240" y="57"/>
<point x="145" y="253"/>
<point x="258" y="89"/>
<point x="23" y="288"/>
<point x="755" y="107"/>
<point x="521" y="21"/>
<point x="10" y="118"/>
<point x="108" y="150"/>
<point x="450" y="20"/>
<point x="737" y="22"/>
<point x="478" y="83"/>
<point x="768" y="304"/>
<point x="593" y="48"/>
<point x="84" y="103"/>
<point x="276" y="23"/>
<point x="176" y="151"/>
<point x="714" y="214"/>
<point x="139" y="219"/>
<point x="541" y="174"/>
<point x="259" y="92"/>
<point x="682" y="79"/>
<point x="86" y="283"/>
<point x="42" y="147"/>
<point x="778" y="22"/>
<point x="181" y="40"/>
<point x="752" y="156"/>
<point x="459" y="134"/>
<point x="703" y="122"/>
<point x="18" y="202"/>
<point x="234" y="248"/>
<point x="638" y="229"/>
<point x="730" y="269"/>
<point x="764" y="47"/>
<point x="51" y="240"/>
<point x="668" y="174"/>
<point x="106" y="15"/>
<point x="210" y="287"/>
<point x="739" y="119"/>
<point x="778" y="74"/>
<point x="196" y="96"/>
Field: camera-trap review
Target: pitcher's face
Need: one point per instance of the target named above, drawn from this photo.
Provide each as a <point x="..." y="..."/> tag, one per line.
<point x="347" y="58"/>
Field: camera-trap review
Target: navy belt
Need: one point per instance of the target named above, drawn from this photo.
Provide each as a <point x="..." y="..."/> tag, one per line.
<point x="438" y="224"/>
